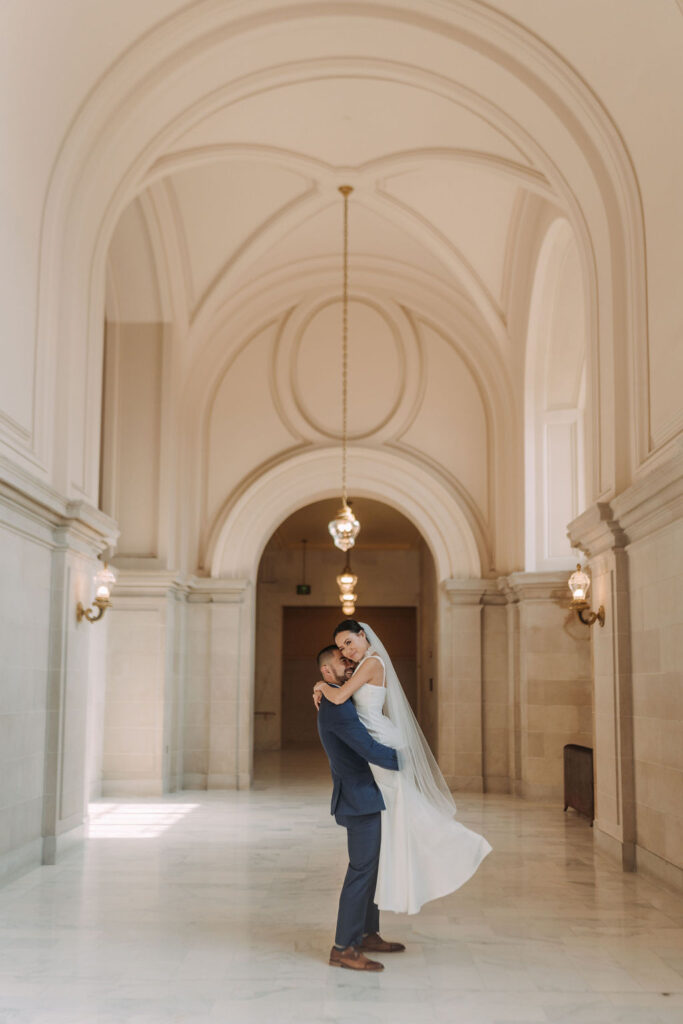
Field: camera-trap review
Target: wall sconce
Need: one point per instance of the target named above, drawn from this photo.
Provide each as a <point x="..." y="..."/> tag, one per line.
<point x="579" y="584"/>
<point x="104" y="581"/>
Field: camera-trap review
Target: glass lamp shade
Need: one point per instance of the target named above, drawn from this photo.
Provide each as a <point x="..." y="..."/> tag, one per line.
<point x="348" y="598"/>
<point x="349" y="609"/>
<point x="104" y="581"/>
<point x="347" y="581"/>
<point x="344" y="528"/>
<point x="579" y="583"/>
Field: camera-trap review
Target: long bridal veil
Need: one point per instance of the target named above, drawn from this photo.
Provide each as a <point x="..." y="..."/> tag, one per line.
<point x="414" y="754"/>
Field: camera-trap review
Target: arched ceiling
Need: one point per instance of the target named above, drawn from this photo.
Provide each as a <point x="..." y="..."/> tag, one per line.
<point x="252" y="188"/>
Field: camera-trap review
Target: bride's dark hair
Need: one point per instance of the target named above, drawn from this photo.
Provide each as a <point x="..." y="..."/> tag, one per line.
<point x="348" y="626"/>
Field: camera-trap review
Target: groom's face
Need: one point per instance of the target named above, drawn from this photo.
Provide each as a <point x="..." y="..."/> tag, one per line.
<point x="337" y="669"/>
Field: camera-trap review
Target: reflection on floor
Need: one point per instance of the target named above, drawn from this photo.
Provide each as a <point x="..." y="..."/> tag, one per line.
<point x="220" y="907"/>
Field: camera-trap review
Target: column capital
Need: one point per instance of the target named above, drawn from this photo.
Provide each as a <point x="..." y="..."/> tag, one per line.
<point x="218" y="591"/>
<point x="535" y="586"/>
<point x="465" y="591"/>
<point x="147" y="582"/>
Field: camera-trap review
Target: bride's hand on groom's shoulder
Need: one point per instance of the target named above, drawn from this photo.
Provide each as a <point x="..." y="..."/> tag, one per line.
<point x="317" y="695"/>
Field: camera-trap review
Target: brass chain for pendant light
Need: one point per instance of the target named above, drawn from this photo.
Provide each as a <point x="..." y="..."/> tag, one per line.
<point x="346" y="191"/>
<point x="344" y="527"/>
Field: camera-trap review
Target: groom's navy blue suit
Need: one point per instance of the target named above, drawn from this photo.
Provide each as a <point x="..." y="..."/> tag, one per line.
<point x="356" y="804"/>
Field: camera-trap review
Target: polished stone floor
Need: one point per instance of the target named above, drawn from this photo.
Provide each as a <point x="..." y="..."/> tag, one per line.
<point x="219" y="908"/>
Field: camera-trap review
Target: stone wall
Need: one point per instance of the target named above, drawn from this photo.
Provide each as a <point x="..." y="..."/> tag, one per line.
<point x="635" y="546"/>
<point x="52" y="670"/>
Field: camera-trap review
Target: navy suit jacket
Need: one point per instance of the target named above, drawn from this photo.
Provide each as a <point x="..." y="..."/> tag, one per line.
<point x="349" y="746"/>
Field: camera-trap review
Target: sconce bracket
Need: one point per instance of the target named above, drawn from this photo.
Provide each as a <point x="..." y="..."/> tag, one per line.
<point x="593" y="617"/>
<point x="89" y="613"/>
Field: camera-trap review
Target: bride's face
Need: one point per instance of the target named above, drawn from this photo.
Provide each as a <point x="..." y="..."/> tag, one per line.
<point x="352" y="645"/>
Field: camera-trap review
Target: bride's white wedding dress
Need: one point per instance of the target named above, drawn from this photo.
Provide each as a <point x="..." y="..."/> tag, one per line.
<point x="425" y="853"/>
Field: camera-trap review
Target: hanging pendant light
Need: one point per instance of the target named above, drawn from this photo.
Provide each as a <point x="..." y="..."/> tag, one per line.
<point x="346" y="581"/>
<point x="344" y="527"/>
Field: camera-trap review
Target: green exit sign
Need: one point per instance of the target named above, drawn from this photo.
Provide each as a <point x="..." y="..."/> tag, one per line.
<point x="303" y="588"/>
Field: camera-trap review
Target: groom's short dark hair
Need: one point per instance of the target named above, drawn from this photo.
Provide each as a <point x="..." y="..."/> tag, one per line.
<point x="326" y="654"/>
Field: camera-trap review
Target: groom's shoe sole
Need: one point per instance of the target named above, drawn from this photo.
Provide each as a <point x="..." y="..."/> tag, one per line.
<point x="352" y="960"/>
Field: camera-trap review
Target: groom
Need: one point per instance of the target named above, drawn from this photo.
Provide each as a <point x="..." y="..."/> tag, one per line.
<point x="356" y="804"/>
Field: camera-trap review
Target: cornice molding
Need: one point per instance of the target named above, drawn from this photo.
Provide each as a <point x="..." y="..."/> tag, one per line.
<point x="596" y="530"/>
<point x="653" y="501"/>
<point x="650" y="503"/>
<point x="48" y="516"/>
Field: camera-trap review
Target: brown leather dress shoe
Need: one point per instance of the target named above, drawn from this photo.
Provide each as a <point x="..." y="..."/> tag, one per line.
<point x="376" y="944"/>
<point x="353" y="960"/>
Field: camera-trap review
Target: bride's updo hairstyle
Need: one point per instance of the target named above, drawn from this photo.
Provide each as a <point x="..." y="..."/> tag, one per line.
<point x="348" y="626"/>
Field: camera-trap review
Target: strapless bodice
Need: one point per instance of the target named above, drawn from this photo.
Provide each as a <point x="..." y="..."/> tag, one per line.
<point x="369" y="701"/>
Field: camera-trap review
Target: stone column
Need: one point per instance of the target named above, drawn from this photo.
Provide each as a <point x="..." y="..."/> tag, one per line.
<point x="228" y="625"/>
<point x="514" y="710"/>
<point x="460" y="727"/>
<point x="598" y="534"/>
<point x="553" y="705"/>
<point x="80" y="534"/>
<point x="143" y="707"/>
<point x="495" y="691"/>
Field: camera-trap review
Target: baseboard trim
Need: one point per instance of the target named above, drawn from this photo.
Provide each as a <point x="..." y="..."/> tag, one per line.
<point x="651" y="865"/>
<point x="132" y="787"/>
<point x="194" y="780"/>
<point x="18" y="862"/>
<point x="222" y="780"/>
<point x="465" y="783"/>
<point x="540" y="792"/>
<point x="55" y="847"/>
<point x="614" y="848"/>
<point x="497" y="784"/>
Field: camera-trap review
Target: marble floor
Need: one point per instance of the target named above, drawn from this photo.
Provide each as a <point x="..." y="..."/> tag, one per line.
<point x="218" y="908"/>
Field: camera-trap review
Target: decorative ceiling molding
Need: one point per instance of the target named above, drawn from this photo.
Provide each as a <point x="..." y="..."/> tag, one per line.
<point x="292" y="403"/>
<point x="245" y="524"/>
<point x="175" y="75"/>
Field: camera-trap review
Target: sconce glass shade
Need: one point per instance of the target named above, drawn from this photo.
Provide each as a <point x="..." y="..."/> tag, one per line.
<point x="344" y="528"/>
<point x="104" y="581"/>
<point x="579" y="584"/>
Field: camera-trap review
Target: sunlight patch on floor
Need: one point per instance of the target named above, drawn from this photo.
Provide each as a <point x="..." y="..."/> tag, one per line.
<point x="134" y="821"/>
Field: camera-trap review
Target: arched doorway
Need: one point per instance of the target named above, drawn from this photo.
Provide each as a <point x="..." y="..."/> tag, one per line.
<point x="397" y="595"/>
<point x="243" y="530"/>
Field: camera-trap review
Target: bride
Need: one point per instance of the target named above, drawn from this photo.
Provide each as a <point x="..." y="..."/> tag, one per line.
<point x="425" y="853"/>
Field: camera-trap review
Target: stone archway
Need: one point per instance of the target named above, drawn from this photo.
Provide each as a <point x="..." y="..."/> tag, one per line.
<point x="235" y="548"/>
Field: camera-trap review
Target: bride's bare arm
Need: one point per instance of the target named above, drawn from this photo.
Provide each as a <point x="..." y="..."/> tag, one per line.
<point x="370" y="672"/>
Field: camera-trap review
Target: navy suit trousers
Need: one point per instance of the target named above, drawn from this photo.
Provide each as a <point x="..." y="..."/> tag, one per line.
<point x="358" y="913"/>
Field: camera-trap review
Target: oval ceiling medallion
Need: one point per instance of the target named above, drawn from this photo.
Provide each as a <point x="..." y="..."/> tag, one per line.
<point x="376" y="368"/>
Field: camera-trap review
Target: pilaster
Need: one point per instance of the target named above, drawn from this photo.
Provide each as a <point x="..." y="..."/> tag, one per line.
<point x="460" y="728"/>
<point x="145" y="676"/>
<point x="549" y="680"/>
<point x="226" y="612"/>
<point x="597" y="533"/>
<point x="75" y="672"/>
